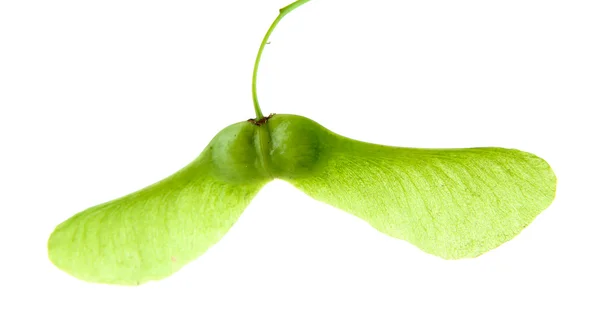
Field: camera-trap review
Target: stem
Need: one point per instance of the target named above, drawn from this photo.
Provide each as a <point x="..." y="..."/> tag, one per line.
<point x="282" y="12"/>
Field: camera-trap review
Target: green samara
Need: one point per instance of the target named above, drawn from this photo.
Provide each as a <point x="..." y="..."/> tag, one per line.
<point x="452" y="203"/>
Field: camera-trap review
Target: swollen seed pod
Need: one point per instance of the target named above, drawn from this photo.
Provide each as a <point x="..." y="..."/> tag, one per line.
<point x="283" y="146"/>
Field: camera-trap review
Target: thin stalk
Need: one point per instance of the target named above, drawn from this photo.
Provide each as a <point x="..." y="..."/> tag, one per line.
<point x="282" y="12"/>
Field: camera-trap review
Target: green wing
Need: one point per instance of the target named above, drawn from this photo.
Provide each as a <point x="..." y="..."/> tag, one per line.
<point x="453" y="203"/>
<point x="150" y="234"/>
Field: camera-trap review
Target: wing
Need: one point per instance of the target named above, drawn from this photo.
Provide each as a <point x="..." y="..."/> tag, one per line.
<point x="453" y="203"/>
<point x="150" y="234"/>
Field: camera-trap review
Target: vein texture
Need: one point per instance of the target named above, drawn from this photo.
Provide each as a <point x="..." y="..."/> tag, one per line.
<point x="150" y="234"/>
<point x="453" y="203"/>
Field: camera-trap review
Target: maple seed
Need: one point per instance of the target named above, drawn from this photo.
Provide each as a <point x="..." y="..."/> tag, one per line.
<point x="488" y="196"/>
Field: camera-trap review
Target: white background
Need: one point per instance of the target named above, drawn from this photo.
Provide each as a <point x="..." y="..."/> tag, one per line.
<point x="101" y="98"/>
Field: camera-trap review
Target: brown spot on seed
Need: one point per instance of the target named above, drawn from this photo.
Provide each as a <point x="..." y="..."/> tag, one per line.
<point x="261" y="121"/>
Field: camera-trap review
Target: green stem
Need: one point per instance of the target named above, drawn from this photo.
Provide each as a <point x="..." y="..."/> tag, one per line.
<point x="282" y="12"/>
